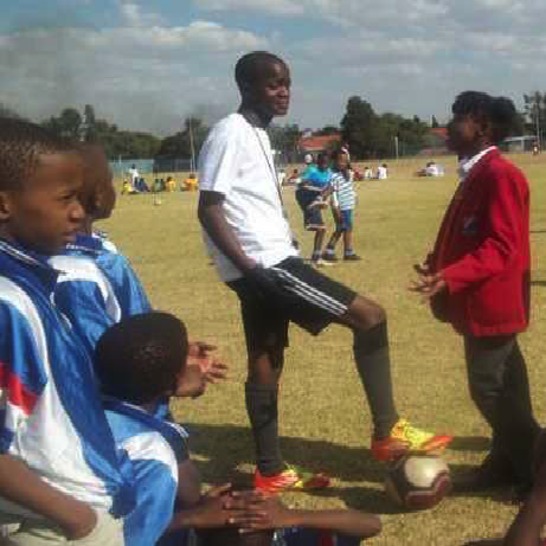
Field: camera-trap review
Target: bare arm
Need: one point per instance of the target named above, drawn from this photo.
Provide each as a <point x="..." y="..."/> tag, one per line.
<point x="19" y="484"/>
<point x="212" y="219"/>
<point x="189" y="484"/>
<point x="273" y="514"/>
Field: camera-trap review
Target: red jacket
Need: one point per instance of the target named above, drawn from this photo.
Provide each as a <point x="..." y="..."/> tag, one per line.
<point x="483" y="251"/>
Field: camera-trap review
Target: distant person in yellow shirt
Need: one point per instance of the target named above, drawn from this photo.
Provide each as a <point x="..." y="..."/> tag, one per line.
<point x="170" y="184"/>
<point x="191" y="183"/>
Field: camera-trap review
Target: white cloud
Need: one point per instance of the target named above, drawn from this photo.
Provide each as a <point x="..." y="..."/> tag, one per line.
<point x="405" y="56"/>
<point x="275" y="7"/>
<point x="140" y="78"/>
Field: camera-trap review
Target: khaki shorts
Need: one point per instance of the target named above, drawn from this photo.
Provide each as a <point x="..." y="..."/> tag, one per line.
<point x="107" y="532"/>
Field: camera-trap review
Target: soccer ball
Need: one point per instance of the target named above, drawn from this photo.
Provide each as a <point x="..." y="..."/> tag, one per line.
<point x="418" y="482"/>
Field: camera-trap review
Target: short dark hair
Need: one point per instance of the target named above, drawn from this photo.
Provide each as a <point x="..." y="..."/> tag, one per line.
<point x="98" y="196"/>
<point x="21" y="144"/>
<point x="250" y="68"/>
<point x="499" y="112"/>
<point x="138" y="359"/>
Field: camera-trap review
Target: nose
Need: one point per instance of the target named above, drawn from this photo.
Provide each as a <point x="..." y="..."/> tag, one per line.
<point x="284" y="91"/>
<point x="77" y="212"/>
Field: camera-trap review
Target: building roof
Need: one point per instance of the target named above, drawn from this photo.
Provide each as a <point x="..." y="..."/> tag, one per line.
<point x="318" y="143"/>
<point x="440" y="132"/>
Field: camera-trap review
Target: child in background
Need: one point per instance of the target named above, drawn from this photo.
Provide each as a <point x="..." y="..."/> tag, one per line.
<point x="170" y="185"/>
<point x="310" y="195"/>
<point x="141" y="360"/>
<point x="191" y="183"/>
<point x="343" y="205"/>
<point x="61" y="477"/>
<point x="382" y="172"/>
<point x="477" y="278"/>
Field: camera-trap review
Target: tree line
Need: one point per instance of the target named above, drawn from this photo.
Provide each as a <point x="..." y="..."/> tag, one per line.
<point x="368" y="133"/>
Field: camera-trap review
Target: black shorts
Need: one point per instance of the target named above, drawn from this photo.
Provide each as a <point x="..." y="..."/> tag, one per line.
<point x="312" y="215"/>
<point x="299" y="294"/>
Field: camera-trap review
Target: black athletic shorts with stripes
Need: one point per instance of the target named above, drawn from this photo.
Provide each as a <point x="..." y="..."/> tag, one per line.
<point x="295" y="292"/>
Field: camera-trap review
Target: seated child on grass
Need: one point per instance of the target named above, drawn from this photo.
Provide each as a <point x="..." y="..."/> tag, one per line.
<point x="61" y="476"/>
<point x="141" y="360"/>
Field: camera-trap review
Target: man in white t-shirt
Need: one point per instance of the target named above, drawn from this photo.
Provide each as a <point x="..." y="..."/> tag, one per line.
<point x="134" y="176"/>
<point x="248" y="236"/>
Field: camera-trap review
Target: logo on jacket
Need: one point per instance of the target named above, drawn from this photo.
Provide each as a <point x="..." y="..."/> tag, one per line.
<point x="470" y="226"/>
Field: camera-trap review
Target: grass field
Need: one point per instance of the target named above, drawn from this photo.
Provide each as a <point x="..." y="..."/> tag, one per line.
<point x="324" y="418"/>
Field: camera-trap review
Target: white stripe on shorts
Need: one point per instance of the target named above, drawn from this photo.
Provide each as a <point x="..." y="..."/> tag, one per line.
<point x="311" y="294"/>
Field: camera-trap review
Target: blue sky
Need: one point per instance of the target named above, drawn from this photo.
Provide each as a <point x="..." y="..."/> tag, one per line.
<point x="146" y="65"/>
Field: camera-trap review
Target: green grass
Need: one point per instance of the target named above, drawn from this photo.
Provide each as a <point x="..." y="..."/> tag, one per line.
<point x="324" y="419"/>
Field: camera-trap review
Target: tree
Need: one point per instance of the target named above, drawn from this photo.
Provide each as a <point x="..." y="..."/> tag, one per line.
<point x="434" y="122"/>
<point x="285" y="140"/>
<point x="179" y="145"/>
<point x="7" y="112"/>
<point x="535" y="113"/>
<point x="370" y="135"/>
<point x="68" y="124"/>
<point x="357" y="127"/>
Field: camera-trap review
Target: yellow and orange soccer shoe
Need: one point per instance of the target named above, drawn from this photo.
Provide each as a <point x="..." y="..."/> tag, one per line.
<point x="290" y="479"/>
<point x="405" y="439"/>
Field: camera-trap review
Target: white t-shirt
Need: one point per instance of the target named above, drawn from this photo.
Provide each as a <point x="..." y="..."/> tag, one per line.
<point x="134" y="175"/>
<point x="381" y="172"/>
<point x="236" y="161"/>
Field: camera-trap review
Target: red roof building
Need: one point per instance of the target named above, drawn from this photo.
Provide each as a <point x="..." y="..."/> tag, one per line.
<point x="314" y="144"/>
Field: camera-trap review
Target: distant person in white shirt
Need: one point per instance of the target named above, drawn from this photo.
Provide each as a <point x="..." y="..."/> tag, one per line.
<point x="382" y="172"/>
<point x="134" y="176"/>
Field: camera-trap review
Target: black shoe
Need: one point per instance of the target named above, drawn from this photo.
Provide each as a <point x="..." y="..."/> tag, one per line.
<point x="327" y="257"/>
<point x="491" y="474"/>
<point x="352" y="258"/>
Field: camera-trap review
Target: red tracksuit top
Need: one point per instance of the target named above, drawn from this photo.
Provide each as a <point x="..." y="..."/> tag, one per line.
<point x="482" y="249"/>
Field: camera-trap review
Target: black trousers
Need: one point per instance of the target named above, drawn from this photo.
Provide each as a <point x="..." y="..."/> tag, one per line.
<point x="499" y="386"/>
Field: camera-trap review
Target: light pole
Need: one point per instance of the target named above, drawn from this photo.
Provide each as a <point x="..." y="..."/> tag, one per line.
<point x="537" y="122"/>
<point x="192" y="149"/>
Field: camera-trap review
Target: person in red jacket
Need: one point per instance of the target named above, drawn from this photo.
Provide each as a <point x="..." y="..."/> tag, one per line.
<point x="477" y="279"/>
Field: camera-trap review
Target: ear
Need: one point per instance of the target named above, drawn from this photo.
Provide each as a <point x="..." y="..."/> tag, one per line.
<point x="6" y="206"/>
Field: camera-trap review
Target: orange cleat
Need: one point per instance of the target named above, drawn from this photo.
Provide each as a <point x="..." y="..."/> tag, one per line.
<point x="405" y="439"/>
<point x="291" y="479"/>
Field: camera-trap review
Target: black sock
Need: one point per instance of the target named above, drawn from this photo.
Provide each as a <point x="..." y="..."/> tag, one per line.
<point x="371" y="351"/>
<point x="261" y="406"/>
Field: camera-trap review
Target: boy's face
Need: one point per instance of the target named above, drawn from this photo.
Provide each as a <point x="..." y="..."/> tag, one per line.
<point x="465" y="133"/>
<point x="342" y="162"/>
<point x="45" y="214"/>
<point x="323" y="163"/>
<point x="272" y="92"/>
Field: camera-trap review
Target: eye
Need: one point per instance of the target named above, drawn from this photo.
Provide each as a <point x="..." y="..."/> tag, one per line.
<point x="69" y="196"/>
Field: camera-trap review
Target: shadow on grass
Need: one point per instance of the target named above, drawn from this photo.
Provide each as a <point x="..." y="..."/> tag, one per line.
<point x="538" y="283"/>
<point x="470" y="443"/>
<point x="227" y="446"/>
<point x="221" y="449"/>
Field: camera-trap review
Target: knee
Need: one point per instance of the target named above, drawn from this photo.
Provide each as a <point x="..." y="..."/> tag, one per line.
<point x="367" y="314"/>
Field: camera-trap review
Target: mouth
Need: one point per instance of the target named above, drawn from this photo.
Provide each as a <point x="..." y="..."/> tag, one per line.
<point x="70" y="236"/>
